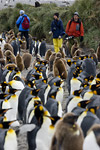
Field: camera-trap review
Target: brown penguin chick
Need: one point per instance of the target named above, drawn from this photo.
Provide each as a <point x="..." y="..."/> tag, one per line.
<point x="19" y="62"/>
<point x="61" y="51"/>
<point x="68" y="135"/>
<point x="74" y="47"/>
<point x="59" y="68"/>
<point x="51" y="60"/>
<point x="78" y="52"/>
<point x="59" y="55"/>
<point x="2" y="61"/>
<point x="1" y="54"/>
<point x="11" y="66"/>
<point x="11" y="32"/>
<point x="8" y="46"/>
<point x="48" y="54"/>
<point x="27" y="60"/>
<point x="98" y="52"/>
<point x="10" y="58"/>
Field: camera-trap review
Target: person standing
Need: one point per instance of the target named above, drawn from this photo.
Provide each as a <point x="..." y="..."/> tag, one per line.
<point x="75" y="27"/>
<point x="23" y="23"/>
<point x="58" y="31"/>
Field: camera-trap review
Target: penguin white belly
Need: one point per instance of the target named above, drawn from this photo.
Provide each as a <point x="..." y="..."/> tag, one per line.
<point x="12" y="113"/>
<point x="16" y="84"/>
<point x="90" y="142"/>
<point x="73" y="103"/>
<point x="44" y="135"/>
<point x="6" y="104"/>
<point x="80" y="118"/>
<point x="59" y="109"/>
<point x="46" y="93"/>
<point x="59" y="96"/>
<point x="10" y="140"/>
<point x="7" y="76"/>
<point x="88" y="95"/>
<point x="41" y="146"/>
<point x="75" y="85"/>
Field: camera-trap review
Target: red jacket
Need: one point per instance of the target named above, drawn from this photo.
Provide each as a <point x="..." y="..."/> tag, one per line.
<point x="71" y="29"/>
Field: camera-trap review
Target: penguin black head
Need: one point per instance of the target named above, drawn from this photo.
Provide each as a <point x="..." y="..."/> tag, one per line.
<point x="37" y="102"/>
<point x="54" y="119"/>
<point x="94" y="109"/>
<point x="86" y="79"/>
<point x="37" y="76"/>
<point x="91" y="78"/>
<point x="3" y="95"/>
<point x="77" y="92"/>
<point x="31" y="84"/>
<point x="94" y="87"/>
<point x="69" y="62"/>
<point x="58" y="83"/>
<point x="98" y="75"/>
<point x="70" y="118"/>
<point x="12" y="91"/>
<point x="6" y="124"/>
<point x="17" y="78"/>
<point x="3" y="111"/>
<point x="39" y="113"/>
<point x="85" y="84"/>
<point x="4" y="85"/>
<point x="83" y="104"/>
<point x="75" y="74"/>
<point x="35" y="92"/>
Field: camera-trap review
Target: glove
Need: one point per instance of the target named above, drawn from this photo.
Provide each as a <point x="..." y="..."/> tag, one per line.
<point x="81" y="38"/>
<point x="59" y="37"/>
<point x="50" y="32"/>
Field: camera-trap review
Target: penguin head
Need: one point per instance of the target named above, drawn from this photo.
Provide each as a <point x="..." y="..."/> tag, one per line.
<point x="37" y="102"/>
<point x="84" y="103"/>
<point x="98" y="76"/>
<point x="34" y="92"/>
<point x="86" y="56"/>
<point x="37" y="76"/>
<point x="17" y="78"/>
<point x="91" y="78"/>
<point x="54" y="119"/>
<point x="6" y="124"/>
<point x="81" y="57"/>
<point x="94" y="87"/>
<point x="3" y="111"/>
<point x="59" y="82"/>
<point x="94" y="109"/>
<point x="77" y="92"/>
<point x="31" y="84"/>
<point x="75" y="74"/>
<point x="69" y="62"/>
<point x="70" y="118"/>
<point x="3" y="95"/>
<point x="4" y="85"/>
<point x="85" y="84"/>
<point x="86" y="79"/>
<point x="12" y="91"/>
<point x="40" y="112"/>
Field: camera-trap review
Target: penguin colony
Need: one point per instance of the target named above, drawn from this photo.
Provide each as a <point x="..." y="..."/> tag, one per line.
<point x="33" y="103"/>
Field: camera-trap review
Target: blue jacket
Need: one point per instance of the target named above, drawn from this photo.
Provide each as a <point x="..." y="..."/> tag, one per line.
<point x="20" y="21"/>
<point x="57" y="28"/>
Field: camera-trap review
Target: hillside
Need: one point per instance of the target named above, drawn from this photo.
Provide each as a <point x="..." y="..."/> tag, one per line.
<point x="41" y="18"/>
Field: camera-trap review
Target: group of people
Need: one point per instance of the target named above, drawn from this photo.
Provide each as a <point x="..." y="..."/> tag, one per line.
<point x="74" y="28"/>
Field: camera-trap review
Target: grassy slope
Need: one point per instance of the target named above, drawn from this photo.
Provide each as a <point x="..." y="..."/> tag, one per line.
<point x="41" y="19"/>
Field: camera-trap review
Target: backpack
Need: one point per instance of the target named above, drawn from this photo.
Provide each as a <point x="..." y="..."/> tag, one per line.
<point x="25" y="24"/>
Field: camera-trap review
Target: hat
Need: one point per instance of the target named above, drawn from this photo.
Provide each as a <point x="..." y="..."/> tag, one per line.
<point x="56" y="14"/>
<point x="22" y="12"/>
<point x="76" y="13"/>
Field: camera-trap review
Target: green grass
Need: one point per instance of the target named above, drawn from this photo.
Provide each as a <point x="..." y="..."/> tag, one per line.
<point x="41" y="19"/>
